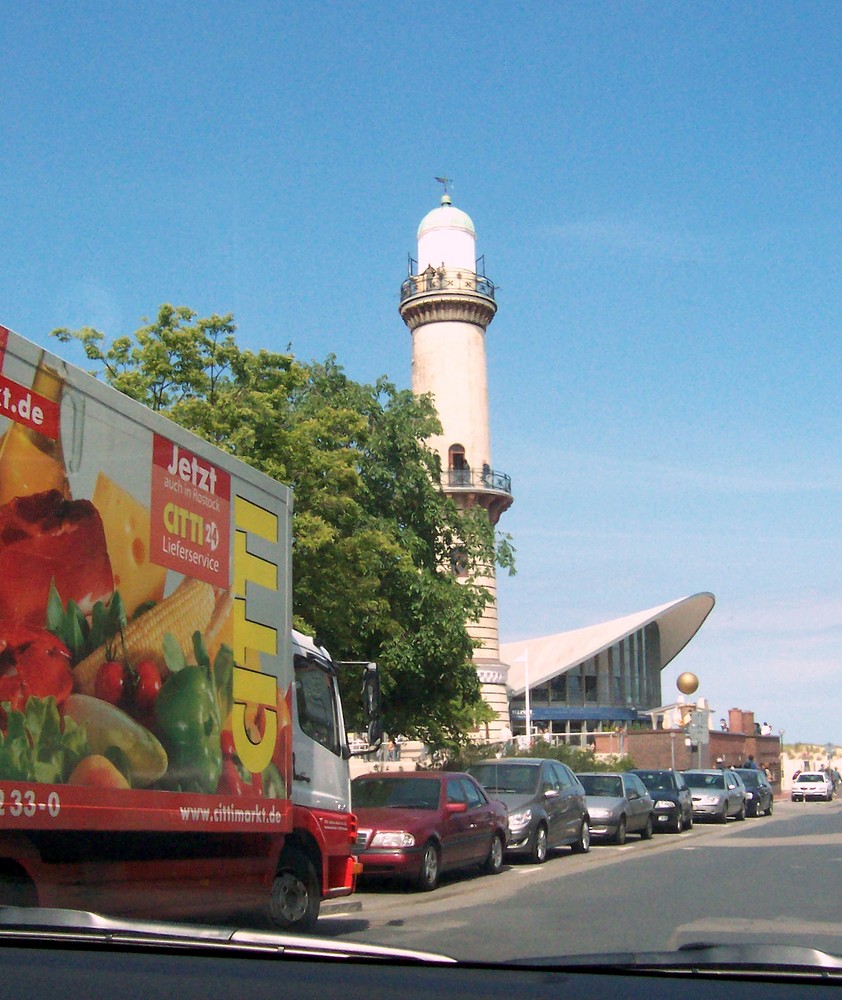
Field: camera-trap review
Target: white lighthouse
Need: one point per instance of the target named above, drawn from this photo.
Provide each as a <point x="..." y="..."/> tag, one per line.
<point x="447" y="302"/>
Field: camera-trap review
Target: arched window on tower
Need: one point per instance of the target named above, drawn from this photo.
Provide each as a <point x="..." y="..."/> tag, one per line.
<point x="458" y="468"/>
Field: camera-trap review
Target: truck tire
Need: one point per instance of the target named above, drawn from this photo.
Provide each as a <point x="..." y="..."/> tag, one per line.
<point x="17" y="889"/>
<point x="294" y="898"/>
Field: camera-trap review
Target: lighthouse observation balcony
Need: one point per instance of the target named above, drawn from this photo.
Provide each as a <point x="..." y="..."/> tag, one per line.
<point x="445" y="294"/>
<point x="447" y="280"/>
<point x="486" y="479"/>
<point x="485" y="488"/>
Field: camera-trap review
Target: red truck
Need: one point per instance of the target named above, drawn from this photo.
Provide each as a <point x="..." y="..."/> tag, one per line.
<point x="169" y="747"/>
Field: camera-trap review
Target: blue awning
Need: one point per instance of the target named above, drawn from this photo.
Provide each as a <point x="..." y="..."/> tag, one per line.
<point x="607" y="713"/>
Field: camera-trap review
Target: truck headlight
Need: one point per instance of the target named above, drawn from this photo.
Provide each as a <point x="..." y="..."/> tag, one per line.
<point x="520" y="818"/>
<point x="392" y="838"/>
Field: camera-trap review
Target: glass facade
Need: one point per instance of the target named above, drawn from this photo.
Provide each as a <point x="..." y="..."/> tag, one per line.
<point x="598" y="693"/>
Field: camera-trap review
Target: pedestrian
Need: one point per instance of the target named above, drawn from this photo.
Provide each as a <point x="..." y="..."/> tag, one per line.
<point x="506" y="737"/>
<point x="398" y="741"/>
<point x="723" y="725"/>
<point x="750" y="763"/>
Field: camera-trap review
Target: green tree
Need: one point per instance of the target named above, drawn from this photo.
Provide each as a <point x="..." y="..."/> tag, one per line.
<point x="374" y="535"/>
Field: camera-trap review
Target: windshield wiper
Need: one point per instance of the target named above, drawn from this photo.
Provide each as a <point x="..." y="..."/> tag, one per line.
<point x="60" y="926"/>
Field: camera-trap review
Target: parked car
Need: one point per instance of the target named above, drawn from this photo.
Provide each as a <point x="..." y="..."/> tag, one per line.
<point x="812" y="785"/>
<point x="618" y="804"/>
<point x="717" y="794"/>
<point x="673" y="799"/>
<point x="759" y="795"/>
<point x="417" y="825"/>
<point x="545" y="800"/>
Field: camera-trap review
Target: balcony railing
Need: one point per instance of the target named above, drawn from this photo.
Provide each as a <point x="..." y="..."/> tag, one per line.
<point x="485" y="479"/>
<point x="446" y="279"/>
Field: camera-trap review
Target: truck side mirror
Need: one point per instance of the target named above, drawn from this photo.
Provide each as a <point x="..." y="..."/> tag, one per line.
<point x="371" y="704"/>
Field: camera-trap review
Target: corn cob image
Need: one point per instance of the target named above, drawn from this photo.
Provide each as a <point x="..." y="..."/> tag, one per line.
<point x="189" y="608"/>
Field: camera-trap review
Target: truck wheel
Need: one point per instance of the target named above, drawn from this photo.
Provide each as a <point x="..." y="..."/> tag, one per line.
<point x="17" y="889"/>
<point x="428" y="877"/>
<point x="294" y="899"/>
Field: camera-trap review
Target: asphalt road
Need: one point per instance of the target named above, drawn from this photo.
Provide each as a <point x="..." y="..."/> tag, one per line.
<point x="775" y="878"/>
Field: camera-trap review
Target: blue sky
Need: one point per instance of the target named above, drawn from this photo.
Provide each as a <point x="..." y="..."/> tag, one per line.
<point x="655" y="188"/>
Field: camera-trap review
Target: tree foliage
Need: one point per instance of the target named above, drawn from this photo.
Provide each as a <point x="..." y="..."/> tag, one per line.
<point x="373" y="533"/>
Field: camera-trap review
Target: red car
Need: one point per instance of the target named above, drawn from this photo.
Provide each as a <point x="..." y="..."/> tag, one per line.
<point x="418" y="824"/>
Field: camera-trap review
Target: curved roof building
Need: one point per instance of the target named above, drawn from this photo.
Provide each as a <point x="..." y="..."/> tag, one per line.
<point x="605" y="673"/>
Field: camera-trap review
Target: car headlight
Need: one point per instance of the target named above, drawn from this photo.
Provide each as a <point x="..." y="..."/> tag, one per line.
<point x="599" y="813"/>
<point x="520" y="818"/>
<point x="392" y="838"/>
<point x="709" y="800"/>
<point x="664" y="804"/>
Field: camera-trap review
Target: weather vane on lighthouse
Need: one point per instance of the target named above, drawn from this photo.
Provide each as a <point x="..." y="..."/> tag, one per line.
<point x="445" y="181"/>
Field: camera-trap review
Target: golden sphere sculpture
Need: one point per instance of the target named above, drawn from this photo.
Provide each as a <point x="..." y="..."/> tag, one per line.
<point x="687" y="683"/>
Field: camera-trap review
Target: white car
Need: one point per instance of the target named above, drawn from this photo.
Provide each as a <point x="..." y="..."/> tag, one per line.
<point x="812" y="785"/>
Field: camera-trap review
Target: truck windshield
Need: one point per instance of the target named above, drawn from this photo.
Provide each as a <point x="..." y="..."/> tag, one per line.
<point x="315" y="693"/>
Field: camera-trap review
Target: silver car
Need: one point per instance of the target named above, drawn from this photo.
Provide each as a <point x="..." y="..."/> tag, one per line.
<point x="618" y="804"/>
<point x="546" y="804"/>
<point x="717" y="794"/>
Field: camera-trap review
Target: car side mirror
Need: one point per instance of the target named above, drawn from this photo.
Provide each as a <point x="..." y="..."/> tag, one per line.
<point x="455" y="807"/>
<point x="550" y="793"/>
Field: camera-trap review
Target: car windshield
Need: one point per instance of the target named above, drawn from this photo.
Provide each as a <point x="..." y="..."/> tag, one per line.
<point x="506" y="779"/>
<point x="697" y="780"/>
<point x="404" y="410"/>
<point x="657" y="781"/>
<point x="602" y="784"/>
<point x="405" y="793"/>
<point x="751" y="779"/>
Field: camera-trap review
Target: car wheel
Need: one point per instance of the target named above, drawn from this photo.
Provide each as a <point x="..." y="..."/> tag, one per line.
<point x="294" y="898"/>
<point x="583" y="844"/>
<point x="723" y="817"/>
<point x="494" y="862"/>
<point x="620" y="835"/>
<point x="538" y="851"/>
<point x="646" y="832"/>
<point x="741" y="815"/>
<point x="769" y="810"/>
<point x="689" y="823"/>
<point x="678" y="826"/>
<point x="428" y="877"/>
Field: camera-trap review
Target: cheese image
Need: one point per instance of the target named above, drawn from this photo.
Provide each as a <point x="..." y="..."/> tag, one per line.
<point x="127" y="533"/>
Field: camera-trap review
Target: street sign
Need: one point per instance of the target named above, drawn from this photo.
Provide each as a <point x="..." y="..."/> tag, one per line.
<point x="697" y="728"/>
